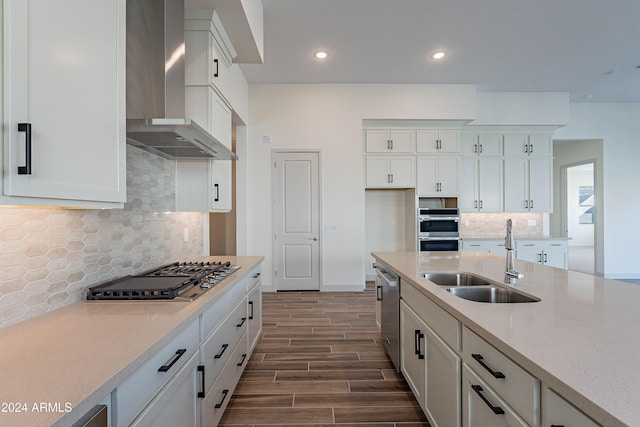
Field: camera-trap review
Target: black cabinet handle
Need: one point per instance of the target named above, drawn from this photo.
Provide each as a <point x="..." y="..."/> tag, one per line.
<point x="216" y="72"/>
<point x="418" y="336"/>
<point x="221" y="352"/>
<point x="224" y="396"/>
<point x="172" y="361"/>
<point x="479" y="359"/>
<point x="244" y="357"/>
<point x="239" y="325"/>
<point x="26" y="128"/>
<point x="250" y="310"/>
<point x="201" y="394"/>
<point x="217" y="198"/>
<point x="378" y="293"/>
<point x="496" y="409"/>
<point x="556" y="425"/>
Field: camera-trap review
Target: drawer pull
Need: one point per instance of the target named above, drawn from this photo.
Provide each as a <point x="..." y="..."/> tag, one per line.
<point x="378" y="293"/>
<point x="224" y="396"/>
<point x="172" y="361"/>
<point x="419" y="336"/>
<point x="480" y="360"/>
<point x="221" y="352"/>
<point x="201" y="394"/>
<point x="557" y="425"/>
<point x="239" y="325"/>
<point x="250" y="310"/>
<point x="244" y="357"/>
<point x="26" y="128"/>
<point x="496" y="409"/>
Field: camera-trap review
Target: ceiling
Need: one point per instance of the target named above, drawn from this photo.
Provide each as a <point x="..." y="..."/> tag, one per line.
<point x="588" y="48"/>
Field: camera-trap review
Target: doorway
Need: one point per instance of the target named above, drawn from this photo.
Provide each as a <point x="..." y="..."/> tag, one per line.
<point x="296" y="220"/>
<point x="579" y="216"/>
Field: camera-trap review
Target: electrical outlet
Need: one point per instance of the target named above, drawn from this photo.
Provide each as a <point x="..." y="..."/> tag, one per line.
<point x="185" y="234"/>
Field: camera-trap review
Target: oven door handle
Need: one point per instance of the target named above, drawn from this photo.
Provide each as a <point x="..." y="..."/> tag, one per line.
<point x="424" y="239"/>
<point x="439" y="218"/>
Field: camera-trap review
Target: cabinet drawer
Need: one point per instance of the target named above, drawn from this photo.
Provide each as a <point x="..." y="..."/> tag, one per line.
<point x="510" y="381"/>
<point x="218" y="396"/>
<point x="218" y="347"/>
<point x="139" y="388"/>
<point x="442" y="323"/>
<point x="482" y="406"/>
<point x="212" y="317"/>
<point x="557" y="411"/>
<point x="254" y="277"/>
<point x="541" y="244"/>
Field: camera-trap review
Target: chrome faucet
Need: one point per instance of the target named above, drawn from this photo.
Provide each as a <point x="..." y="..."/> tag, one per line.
<point x="510" y="273"/>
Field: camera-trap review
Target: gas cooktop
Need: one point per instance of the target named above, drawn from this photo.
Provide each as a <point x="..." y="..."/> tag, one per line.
<point x="180" y="281"/>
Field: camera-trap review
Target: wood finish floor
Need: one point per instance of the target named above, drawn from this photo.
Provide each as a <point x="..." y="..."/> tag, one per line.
<point x="319" y="362"/>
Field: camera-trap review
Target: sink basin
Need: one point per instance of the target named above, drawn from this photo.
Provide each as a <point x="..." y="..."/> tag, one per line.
<point x="491" y="294"/>
<point x="456" y="279"/>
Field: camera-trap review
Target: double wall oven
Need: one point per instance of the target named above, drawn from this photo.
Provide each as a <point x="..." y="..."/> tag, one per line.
<point x="438" y="229"/>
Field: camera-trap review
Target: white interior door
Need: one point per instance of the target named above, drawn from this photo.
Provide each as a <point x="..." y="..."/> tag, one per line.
<point x="296" y="221"/>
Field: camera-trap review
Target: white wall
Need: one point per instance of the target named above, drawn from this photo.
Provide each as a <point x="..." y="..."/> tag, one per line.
<point x="618" y="125"/>
<point x="329" y="117"/>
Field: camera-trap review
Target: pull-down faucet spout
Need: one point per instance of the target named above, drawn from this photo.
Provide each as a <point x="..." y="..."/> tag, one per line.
<point x="510" y="273"/>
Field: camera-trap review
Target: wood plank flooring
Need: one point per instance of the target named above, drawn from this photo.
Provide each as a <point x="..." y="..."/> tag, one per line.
<point x="319" y="362"/>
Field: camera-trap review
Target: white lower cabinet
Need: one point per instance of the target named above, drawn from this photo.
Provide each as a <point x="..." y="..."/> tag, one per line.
<point x="550" y="252"/>
<point x="430" y="366"/>
<point x="494" y="246"/>
<point x="217" y="397"/>
<point x="190" y="380"/>
<point x="134" y="393"/>
<point x="481" y="406"/>
<point x="254" y="309"/>
<point x="175" y="405"/>
<point x="558" y="412"/>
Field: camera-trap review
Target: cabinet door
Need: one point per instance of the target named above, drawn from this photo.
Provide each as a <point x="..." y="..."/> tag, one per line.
<point x="516" y="185"/>
<point x="469" y="185"/>
<point x="469" y="145"/>
<point x="489" y="145"/>
<point x="540" y="185"/>
<point x="390" y="141"/>
<point x="412" y="351"/>
<point x="490" y="185"/>
<point x="64" y="74"/>
<point x="449" y="175"/>
<point x="427" y="175"/>
<point x="482" y="407"/>
<point x="449" y="141"/>
<point x="254" y="311"/>
<point x="558" y="412"/>
<point x="402" y="170"/>
<point x="427" y="141"/>
<point x="555" y="258"/>
<point x="377" y="141"/>
<point x="531" y="255"/>
<point x="516" y="145"/>
<point x="377" y="171"/>
<point x="540" y="145"/>
<point x="221" y="190"/>
<point x="175" y="405"/>
<point x="442" y="391"/>
<point x="403" y="141"/>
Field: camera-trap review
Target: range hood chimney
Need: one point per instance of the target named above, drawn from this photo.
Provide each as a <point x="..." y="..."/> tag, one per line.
<point x="155" y="85"/>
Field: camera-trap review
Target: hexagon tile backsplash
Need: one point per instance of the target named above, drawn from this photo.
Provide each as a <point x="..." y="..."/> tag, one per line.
<point x="48" y="257"/>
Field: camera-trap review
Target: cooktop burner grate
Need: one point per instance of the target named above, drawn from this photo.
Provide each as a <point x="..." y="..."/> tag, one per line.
<point x="182" y="281"/>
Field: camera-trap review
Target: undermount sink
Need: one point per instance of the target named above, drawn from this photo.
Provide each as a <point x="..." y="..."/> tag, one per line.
<point x="491" y="294"/>
<point x="456" y="279"/>
<point x="472" y="287"/>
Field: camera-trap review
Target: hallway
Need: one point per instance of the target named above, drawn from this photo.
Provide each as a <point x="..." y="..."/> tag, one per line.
<point x="319" y="362"/>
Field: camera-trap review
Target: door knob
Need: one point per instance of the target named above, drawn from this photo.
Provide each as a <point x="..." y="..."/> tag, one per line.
<point x="315" y="239"/>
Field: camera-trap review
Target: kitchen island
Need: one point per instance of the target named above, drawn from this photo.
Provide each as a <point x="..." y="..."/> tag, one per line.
<point x="56" y="367"/>
<point x="580" y="340"/>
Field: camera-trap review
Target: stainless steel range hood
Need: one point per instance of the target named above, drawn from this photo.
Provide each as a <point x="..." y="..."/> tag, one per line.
<point x="155" y="85"/>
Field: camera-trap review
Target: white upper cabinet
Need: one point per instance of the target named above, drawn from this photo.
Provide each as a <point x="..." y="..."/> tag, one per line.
<point x="528" y="145"/>
<point x="64" y="103"/>
<point x="437" y="141"/>
<point x="485" y="145"/>
<point x="438" y="175"/>
<point x="390" y="141"/>
<point x="528" y="185"/>
<point x="481" y="185"/>
<point x="390" y="172"/>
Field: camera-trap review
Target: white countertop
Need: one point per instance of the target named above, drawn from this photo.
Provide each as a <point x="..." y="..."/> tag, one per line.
<point x="75" y="356"/>
<point x="581" y="339"/>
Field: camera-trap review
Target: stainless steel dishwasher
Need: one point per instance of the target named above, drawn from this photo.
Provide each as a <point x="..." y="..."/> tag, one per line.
<point x="389" y="283"/>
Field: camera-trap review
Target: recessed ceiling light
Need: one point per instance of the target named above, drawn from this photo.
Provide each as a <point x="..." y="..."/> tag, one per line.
<point x="439" y="54"/>
<point x="321" y="54"/>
